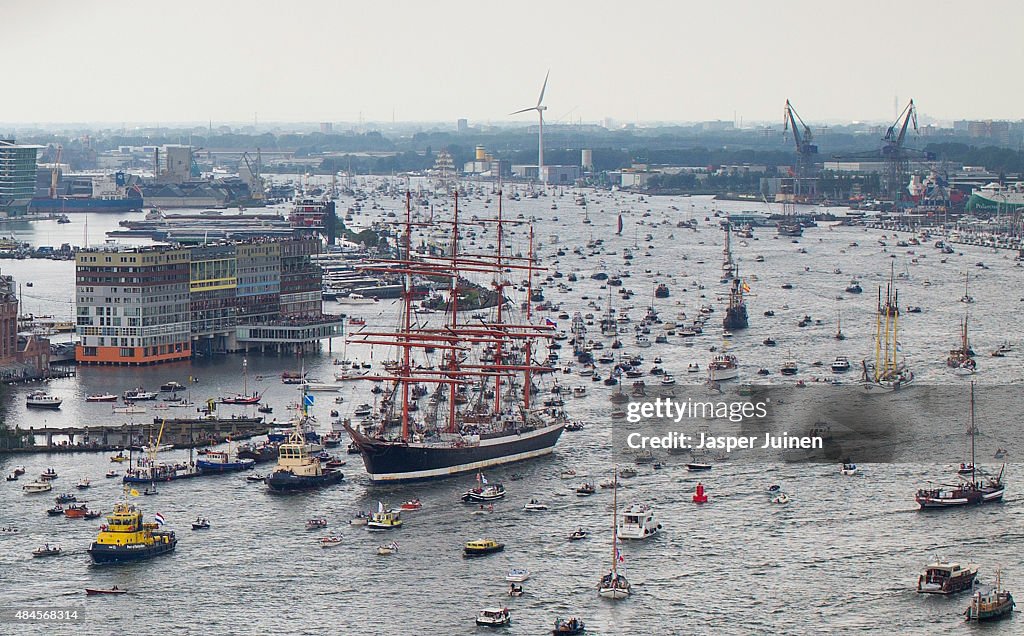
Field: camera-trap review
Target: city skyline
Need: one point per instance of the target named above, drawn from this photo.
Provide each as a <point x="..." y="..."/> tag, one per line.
<point x="403" y="61"/>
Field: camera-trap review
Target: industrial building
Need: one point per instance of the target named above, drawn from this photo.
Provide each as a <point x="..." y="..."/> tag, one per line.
<point x="17" y="176"/>
<point x="553" y="175"/>
<point x="158" y="304"/>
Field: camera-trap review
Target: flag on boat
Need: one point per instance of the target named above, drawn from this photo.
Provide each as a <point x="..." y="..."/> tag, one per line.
<point x="483" y="480"/>
<point x="133" y="492"/>
<point x="550" y="323"/>
<point x="307" y="400"/>
<point x="746" y="287"/>
<point x="159" y="518"/>
<point x="380" y="506"/>
<point x="618" y="555"/>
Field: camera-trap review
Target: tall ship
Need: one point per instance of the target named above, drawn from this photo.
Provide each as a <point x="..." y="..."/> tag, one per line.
<point x="887" y="371"/>
<point x="480" y="410"/>
<point x="126" y="537"/>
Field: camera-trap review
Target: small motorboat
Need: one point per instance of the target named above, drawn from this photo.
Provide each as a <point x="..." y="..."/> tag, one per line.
<point x="585" y="489"/>
<point x="92" y="514"/>
<point x="695" y="467"/>
<point x="330" y="541"/>
<point x="316" y="523"/>
<point x="361" y="519"/>
<point x="578" y="534"/>
<point x="965" y="468"/>
<point x="574" y="426"/>
<point x="254" y="477"/>
<point x="65" y="498"/>
<point x="515" y="590"/>
<point x="82" y="485"/>
<point x="8" y="530"/>
<point x="780" y="498"/>
<point x="47" y="550"/>
<point x="568" y="627"/>
<point x="56" y="511"/>
<point x="387" y="548"/>
<point x="535" y="506"/>
<point x="12" y="477"/>
<point x="568" y="474"/>
<point x="111" y="473"/>
<point x="494" y="617"/>
<point x="413" y="504"/>
<point x="96" y="592"/>
<point x="517" y="575"/>
<point x="990" y="604"/>
<point x="266" y="408"/>
<point x="849" y="469"/>
<point x="627" y="472"/>
<point x="201" y="523"/>
<point x="76" y="512"/>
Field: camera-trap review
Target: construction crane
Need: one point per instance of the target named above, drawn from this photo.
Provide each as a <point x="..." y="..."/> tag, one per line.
<point x="806" y="149"/>
<point x="895" y="155"/>
<point x="254" y="181"/>
<point x="55" y="173"/>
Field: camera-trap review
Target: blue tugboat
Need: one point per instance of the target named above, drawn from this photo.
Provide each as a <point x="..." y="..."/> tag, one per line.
<point x="221" y="462"/>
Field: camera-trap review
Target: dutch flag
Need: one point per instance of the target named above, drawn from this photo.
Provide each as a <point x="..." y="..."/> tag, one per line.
<point x="483" y="480"/>
<point x="159" y="518"/>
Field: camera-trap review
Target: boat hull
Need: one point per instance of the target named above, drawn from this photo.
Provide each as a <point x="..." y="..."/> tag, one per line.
<point x="103" y="554"/>
<point x="283" y="481"/>
<point x="395" y="462"/>
<point x="962" y="499"/>
<point x="224" y="467"/>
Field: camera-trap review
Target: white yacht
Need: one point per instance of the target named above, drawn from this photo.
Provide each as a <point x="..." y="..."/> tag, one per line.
<point x="42" y="400"/>
<point x="841" y="364"/>
<point x="638" y="522"/>
<point x="724" y="367"/>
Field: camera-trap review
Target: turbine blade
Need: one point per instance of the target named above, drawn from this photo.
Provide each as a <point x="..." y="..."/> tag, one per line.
<point x="525" y="110"/>
<point x="543" y="88"/>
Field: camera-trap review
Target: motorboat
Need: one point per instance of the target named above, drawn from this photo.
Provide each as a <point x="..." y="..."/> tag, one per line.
<point x="387" y="548"/>
<point x="841" y="364"/>
<point x="578" y="534"/>
<point x="330" y="541"/>
<point x="316" y="523"/>
<point x="101" y="397"/>
<point x="568" y="626"/>
<point x="47" y="550"/>
<point x="638" y="522"/>
<point x="413" y="504"/>
<point x="535" y="506"/>
<point x="946" y="578"/>
<point x="494" y="616"/>
<point x="96" y="592"/>
<point x="585" y="490"/>
<point x="384" y="519"/>
<point x="517" y="575"/>
<point x="849" y="469"/>
<point x="37" y="487"/>
<point x="201" y="523"/>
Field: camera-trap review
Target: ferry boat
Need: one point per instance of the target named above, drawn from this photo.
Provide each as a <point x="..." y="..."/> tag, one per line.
<point x="946" y="578"/>
<point x="723" y="367"/>
<point x="637" y="522"/>
<point x="125" y="537"/>
<point x="480" y="547"/>
<point x="475" y="434"/>
<point x="37" y="487"/>
<point x="384" y="519"/>
<point x="42" y="400"/>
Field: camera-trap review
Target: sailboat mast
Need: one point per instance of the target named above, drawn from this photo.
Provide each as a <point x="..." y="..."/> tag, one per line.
<point x="527" y="377"/>
<point x="499" y="287"/>
<point x="895" y="329"/>
<point x="454" y="303"/>
<point x="973" y="477"/>
<point x="878" y="337"/>
<point x="615" y="524"/>
<point x="407" y="323"/>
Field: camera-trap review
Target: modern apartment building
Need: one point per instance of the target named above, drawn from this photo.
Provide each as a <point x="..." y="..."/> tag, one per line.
<point x="156" y="304"/>
<point x="17" y="176"/>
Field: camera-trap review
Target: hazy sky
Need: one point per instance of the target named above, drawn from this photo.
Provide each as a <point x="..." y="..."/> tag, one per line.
<point x="317" y="60"/>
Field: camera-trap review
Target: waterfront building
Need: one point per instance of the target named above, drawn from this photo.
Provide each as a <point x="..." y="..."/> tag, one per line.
<point x="157" y="304"/>
<point x="17" y="176"/>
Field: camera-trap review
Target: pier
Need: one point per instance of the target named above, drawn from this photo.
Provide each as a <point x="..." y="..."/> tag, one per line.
<point x="182" y="433"/>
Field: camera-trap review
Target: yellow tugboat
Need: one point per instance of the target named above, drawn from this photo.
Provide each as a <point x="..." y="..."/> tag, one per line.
<point x="125" y="537"/>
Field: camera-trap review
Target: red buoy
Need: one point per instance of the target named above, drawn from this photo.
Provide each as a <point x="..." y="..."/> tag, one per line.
<point x="699" y="497"/>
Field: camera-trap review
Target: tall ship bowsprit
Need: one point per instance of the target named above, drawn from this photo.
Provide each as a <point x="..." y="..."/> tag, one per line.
<point x="493" y="356"/>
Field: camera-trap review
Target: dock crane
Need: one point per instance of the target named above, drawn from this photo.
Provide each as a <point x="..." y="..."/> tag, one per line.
<point x="806" y="149"/>
<point x="895" y="154"/>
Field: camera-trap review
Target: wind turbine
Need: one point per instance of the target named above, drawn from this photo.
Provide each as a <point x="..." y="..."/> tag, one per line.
<point x="540" y="108"/>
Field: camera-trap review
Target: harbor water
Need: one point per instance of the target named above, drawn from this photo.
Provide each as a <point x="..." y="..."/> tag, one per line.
<point x="842" y="556"/>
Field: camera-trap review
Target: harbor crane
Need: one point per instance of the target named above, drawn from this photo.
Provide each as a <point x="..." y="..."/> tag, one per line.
<point x="896" y="155"/>
<point x="55" y="173"/>
<point x="806" y="149"/>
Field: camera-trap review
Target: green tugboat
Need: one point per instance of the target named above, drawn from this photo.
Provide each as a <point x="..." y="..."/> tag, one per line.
<point x="125" y="537"/>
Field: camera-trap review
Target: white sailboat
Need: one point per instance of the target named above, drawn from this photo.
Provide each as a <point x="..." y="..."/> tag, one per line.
<point x="614" y="585"/>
